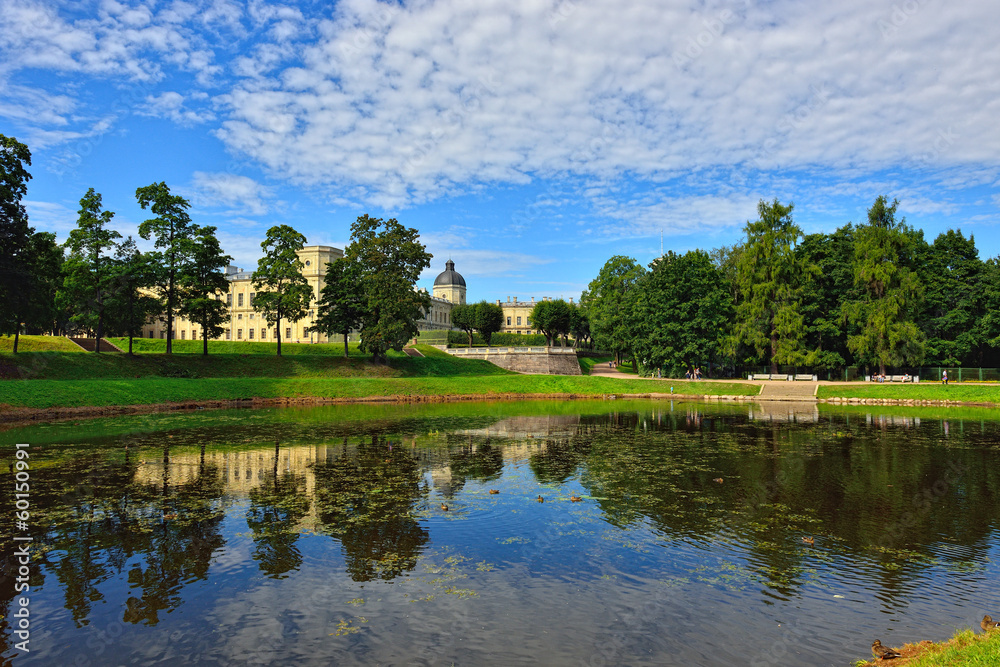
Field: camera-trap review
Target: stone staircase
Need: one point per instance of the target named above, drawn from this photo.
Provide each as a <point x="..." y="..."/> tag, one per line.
<point x="776" y="390"/>
<point x="90" y="344"/>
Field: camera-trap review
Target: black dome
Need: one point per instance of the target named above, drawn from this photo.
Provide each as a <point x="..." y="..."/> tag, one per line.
<point x="449" y="276"/>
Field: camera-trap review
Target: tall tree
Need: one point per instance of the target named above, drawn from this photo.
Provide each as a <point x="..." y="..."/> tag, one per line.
<point x="14" y="232"/>
<point x="579" y="326"/>
<point x="552" y="318"/>
<point x="604" y="298"/>
<point x="88" y="270"/>
<point x="488" y="319"/>
<point x="953" y="303"/>
<point x="681" y="312"/>
<point x="203" y="285"/>
<point x="42" y="266"/>
<point x="463" y="316"/>
<point x="282" y="291"/>
<point x="173" y="231"/>
<point x="891" y="292"/>
<point x="129" y="305"/>
<point x="341" y="302"/>
<point x="823" y="297"/>
<point x="391" y="259"/>
<point x="770" y="276"/>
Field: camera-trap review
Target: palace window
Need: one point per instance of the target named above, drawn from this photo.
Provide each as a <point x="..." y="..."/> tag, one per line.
<point x="229" y="299"/>
<point x="252" y="295"/>
<point x="288" y="332"/>
<point x="150" y="333"/>
<point x="518" y="321"/>
<point x="263" y="334"/>
<point x="239" y="316"/>
<point x="251" y="334"/>
<point x="239" y="299"/>
<point x="529" y="321"/>
<point x="239" y="334"/>
<point x="251" y="316"/>
<point x="229" y="334"/>
<point x="508" y="321"/>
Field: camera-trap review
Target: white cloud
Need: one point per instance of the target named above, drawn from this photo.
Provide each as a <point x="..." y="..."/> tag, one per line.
<point x="241" y="194"/>
<point x="170" y="104"/>
<point x="426" y="100"/>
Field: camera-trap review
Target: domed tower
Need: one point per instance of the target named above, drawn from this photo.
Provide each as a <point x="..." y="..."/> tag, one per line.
<point x="450" y="285"/>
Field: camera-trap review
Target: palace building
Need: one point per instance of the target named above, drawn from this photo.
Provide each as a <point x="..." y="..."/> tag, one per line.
<point x="248" y="325"/>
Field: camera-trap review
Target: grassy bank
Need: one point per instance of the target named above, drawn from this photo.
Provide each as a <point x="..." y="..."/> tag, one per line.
<point x="38" y="344"/>
<point x="924" y="391"/>
<point x="146" y="391"/>
<point x="966" y="648"/>
<point x="252" y="362"/>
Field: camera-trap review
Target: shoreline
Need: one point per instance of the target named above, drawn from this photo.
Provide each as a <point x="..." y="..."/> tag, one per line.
<point x="17" y="416"/>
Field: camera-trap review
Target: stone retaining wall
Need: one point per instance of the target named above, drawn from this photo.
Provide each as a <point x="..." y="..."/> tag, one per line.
<point x="535" y="360"/>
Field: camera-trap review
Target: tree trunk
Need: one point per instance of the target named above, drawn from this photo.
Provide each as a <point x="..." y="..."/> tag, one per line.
<point x="277" y="330"/>
<point x="130" y="342"/>
<point x="470" y="339"/>
<point x="17" y="334"/>
<point x="204" y="337"/>
<point x="170" y="315"/>
<point x="774" y="352"/>
<point x="100" y="331"/>
<point x="345" y="345"/>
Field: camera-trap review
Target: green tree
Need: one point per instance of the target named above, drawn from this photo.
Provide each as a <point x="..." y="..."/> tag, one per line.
<point x="488" y="319"/>
<point x="42" y="273"/>
<point x="463" y="316"/>
<point x="341" y="303"/>
<point x="769" y="276"/>
<point x="604" y="299"/>
<point x="89" y="269"/>
<point x="681" y="312"/>
<point x="953" y="303"/>
<point x="579" y="326"/>
<point x="891" y="292"/>
<point x="14" y="233"/>
<point x="283" y="292"/>
<point x="202" y="285"/>
<point x="129" y="306"/>
<point x="823" y="297"/>
<point x="552" y="318"/>
<point x="173" y="232"/>
<point x="391" y="259"/>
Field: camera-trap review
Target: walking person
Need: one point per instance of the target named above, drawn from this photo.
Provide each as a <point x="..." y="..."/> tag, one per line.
<point x="944" y="377"/>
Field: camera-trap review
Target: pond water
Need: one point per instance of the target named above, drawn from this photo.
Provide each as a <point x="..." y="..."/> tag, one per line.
<point x="705" y="534"/>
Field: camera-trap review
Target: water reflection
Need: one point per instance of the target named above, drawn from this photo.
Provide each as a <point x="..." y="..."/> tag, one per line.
<point x="762" y="507"/>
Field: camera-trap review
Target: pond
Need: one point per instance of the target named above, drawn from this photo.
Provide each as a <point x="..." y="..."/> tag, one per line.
<point x="557" y="533"/>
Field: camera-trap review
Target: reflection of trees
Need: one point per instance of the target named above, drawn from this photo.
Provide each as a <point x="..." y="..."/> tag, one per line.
<point x="366" y="500"/>
<point x="276" y="507"/>
<point x="475" y="458"/>
<point x="882" y="499"/>
<point x="183" y="527"/>
<point x="559" y="460"/>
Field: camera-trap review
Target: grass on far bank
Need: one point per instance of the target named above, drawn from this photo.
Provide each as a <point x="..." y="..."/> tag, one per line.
<point x="147" y="391"/>
<point x="966" y="649"/>
<point x="922" y="391"/>
<point x="38" y="344"/>
<point x="251" y="363"/>
<point x="587" y="363"/>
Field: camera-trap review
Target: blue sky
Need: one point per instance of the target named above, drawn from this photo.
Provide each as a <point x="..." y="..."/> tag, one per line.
<point x="529" y="140"/>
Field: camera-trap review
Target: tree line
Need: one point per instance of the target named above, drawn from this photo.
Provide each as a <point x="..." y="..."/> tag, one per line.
<point x="100" y="283"/>
<point x="875" y="294"/>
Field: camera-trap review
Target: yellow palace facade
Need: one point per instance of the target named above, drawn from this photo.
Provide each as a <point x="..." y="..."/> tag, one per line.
<point x="245" y="324"/>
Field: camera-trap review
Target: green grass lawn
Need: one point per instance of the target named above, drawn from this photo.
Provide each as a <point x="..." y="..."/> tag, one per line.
<point x="159" y="345"/>
<point x="144" y="391"/>
<point x="38" y="344"/>
<point x="965" y="649"/>
<point x="923" y="391"/>
<point x="251" y="363"/>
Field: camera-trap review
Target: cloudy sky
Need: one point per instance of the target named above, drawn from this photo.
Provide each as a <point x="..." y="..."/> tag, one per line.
<point x="529" y="140"/>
